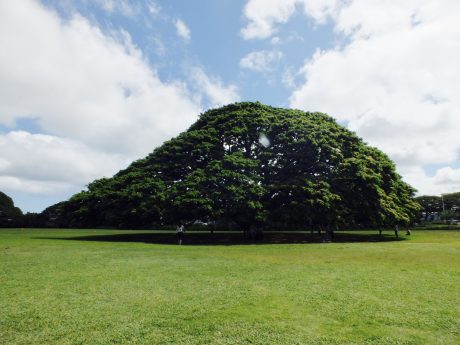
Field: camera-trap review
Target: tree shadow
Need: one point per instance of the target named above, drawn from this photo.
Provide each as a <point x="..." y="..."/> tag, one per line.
<point x="233" y="238"/>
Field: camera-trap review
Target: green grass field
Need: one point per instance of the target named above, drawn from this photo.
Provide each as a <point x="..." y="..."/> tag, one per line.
<point x="120" y="287"/>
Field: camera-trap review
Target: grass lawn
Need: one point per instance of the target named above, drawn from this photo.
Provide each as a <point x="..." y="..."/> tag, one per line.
<point x="120" y="287"/>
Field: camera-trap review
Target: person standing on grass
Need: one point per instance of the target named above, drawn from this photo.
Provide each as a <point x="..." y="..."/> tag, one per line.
<point x="180" y="233"/>
<point x="396" y="230"/>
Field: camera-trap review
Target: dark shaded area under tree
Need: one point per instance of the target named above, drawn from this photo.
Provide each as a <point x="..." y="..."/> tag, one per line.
<point x="235" y="238"/>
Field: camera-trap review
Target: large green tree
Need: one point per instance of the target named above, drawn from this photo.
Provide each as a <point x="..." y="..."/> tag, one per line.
<point x="248" y="164"/>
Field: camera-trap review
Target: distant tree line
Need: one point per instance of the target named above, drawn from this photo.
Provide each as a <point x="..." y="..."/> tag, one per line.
<point x="247" y="166"/>
<point x="445" y="207"/>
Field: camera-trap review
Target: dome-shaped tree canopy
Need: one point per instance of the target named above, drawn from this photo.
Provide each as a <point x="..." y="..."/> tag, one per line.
<point x="251" y="164"/>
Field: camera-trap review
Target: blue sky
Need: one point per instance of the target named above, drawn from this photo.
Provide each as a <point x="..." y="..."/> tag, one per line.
<point x="216" y="43"/>
<point x="86" y="87"/>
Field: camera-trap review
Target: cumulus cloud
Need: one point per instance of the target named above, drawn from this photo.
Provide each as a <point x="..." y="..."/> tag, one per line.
<point x="264" y="16"/>
<point x="153" y="8"/>
<point x="261" y="61"/>
<point x="84" y="85"/>
<point x="52" y="165"/>
<point x="393" y="79"/>
<point x="182" y="30"/>
<point x="289" y="77"/>
<point x="123" y="7"/>
<point x="213" y="89"/>
<point x="80" y="85"/>
<point x="395" y="83"/>
<point x="445" y="180"/>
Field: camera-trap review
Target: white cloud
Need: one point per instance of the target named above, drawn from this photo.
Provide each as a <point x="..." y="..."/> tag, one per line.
<point x="289" y="77"/>
<point x="123" y="7"/>
<point x="448" y="176"/>
<point x="445" y="180"/>
<point x="261" y="61"/>
<point x="264" y="16"/>
<point x="52" y="164"/>
<point x="158" y="46"/>
<point x="80" y="86"/>
<point x="153" y="8"/>
<point x="213" y="89"/>
<point x="275" y="40"/>
<point x="182" y="30"/>
<point x="395" y="83"/>
<point x="13" y="184"/>
<point x="84" y="85"/>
